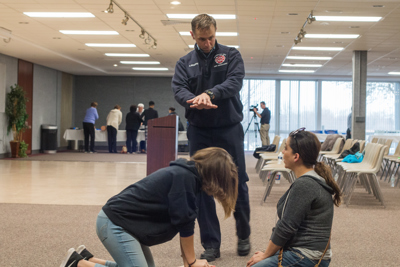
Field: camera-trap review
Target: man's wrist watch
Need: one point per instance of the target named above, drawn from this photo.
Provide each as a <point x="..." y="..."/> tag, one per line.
<point x="210" y="94"/>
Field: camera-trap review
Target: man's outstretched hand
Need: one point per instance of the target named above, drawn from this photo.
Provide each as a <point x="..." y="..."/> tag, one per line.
<point x="202" y="101"/>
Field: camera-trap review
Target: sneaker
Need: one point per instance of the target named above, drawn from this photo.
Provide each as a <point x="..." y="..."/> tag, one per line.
<point x="210" y="254"/>
<point x="86" y="152"/>
<point x="81" y="250"/>
<point x="243" y="247"/>
<point x="71" y="259"/>
<point x="91" y="152"/>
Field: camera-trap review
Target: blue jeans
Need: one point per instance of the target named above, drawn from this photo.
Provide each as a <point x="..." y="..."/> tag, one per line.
<point x="124" y="248"/>
<point x="290" y="258"/>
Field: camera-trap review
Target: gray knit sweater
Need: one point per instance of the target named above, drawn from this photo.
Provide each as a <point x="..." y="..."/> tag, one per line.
<point x="308" y="215"/>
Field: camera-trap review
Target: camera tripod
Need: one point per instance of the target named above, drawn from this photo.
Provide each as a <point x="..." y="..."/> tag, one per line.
<point x="256" y="126"/>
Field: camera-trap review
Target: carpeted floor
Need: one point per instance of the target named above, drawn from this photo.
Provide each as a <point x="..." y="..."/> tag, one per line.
<point x="364" y="234"/>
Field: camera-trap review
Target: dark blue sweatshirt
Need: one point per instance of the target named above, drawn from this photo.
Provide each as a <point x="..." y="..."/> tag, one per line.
<point x="159" y="206"/>
<point x="222" y="72"/>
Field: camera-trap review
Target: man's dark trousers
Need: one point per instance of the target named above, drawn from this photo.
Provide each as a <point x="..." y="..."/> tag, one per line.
<point x="231" y="139"/>
<point x="131" y="143"/>
<point x="112" y="139"/>
<point x="88" y="130"/>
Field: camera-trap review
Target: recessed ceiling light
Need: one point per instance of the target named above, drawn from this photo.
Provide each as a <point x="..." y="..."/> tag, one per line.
<point x="59" y="14"/>
<point x="285" y="32"/>
<point x="318" y="48"/>
<point x="293" y="14"/>
<point x="302" y="65"/>
<point x="217" y="33"/>
<point x="151" y="69"/>
<point x="394" y="73"/>
<point x="81" y="49"/>
<point x="309" y="58"/>
<point x="140" y="62"/>
<point x="126" y="55"/>
<point x="234" y="46"/>
<point x="347" y="18"/>
<point x="280" y="46"/>
<point x="333" y="11"/>
<point x="378" y="6"/>
<point x="333" y="36"/>
<point x="354" y="27"/>
<point x="298" y="71"/>
<point x="56" y="38"/>
<point x="338" y="42"/>
<point x="191" y="16"/>
<point x="129" y="30"/>
<point x="23" y="22"/>
<point x="90" y="32"/>
<point x="175" y="3"/>
<point x="115" y="65"/>
<point x="110" y="45"/>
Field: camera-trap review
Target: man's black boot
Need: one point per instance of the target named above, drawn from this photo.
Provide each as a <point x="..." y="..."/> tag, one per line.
<point x="210" y="254"/>
<point x="243" y="248"/>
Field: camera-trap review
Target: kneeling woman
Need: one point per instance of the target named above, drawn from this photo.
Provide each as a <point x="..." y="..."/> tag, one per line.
<point x="302" y="234"/>
<point x="155" y="209"/>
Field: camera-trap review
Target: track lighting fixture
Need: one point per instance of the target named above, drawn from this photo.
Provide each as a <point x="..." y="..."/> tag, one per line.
<point x="143" y="32"/>
<point x="302" y="33"/>
<point x="310" y="18"/>
<point x="110" y="8"/>
<point x="125" y="20"/>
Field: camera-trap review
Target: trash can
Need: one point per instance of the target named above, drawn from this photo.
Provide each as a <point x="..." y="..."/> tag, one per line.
<point x="74" y="144"/>
<point x="48" y="138"/>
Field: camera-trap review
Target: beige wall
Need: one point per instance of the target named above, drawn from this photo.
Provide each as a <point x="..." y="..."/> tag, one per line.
<point x="66" y="105"/>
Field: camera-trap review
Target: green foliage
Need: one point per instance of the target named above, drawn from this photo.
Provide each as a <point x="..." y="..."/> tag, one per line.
<point x="16" y="111"/>
<point x="23" y="147"/>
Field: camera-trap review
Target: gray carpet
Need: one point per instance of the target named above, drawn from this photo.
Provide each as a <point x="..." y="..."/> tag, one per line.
<point x="364" y="234"/>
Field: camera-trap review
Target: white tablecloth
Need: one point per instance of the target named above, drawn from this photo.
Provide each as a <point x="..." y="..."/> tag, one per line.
<point x="101" y="136"/>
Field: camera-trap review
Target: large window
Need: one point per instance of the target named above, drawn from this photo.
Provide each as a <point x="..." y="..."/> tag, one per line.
<point x="297" y="106"/>
<point x="336" y="102"/>
<point x="252" y="93"/>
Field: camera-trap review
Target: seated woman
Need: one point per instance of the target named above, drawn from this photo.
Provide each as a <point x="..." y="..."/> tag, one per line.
<point x="153" y="210"/>
<point x="302" y="234"/>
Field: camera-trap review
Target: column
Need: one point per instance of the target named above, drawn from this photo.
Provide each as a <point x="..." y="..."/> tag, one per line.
<point x="359" y="94"/>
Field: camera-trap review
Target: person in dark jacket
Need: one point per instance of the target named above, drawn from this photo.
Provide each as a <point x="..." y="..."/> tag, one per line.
<point x="171" y="111"/>
<point x="207" y="82"/>
<point x="133" y="122"/>
<point x="302" y="234"/>
<point x="148" y="114"/>
<point x="158" y="207"/>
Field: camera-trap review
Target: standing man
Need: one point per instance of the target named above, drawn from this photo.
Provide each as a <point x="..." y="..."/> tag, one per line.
<point x="148" y="114"/>
<point x="207" y="82"/>
<point x="88" y="126"/>
<point x="349" y="122"/>
<point x="140" y="110"/>
<point x="265" y="119"/>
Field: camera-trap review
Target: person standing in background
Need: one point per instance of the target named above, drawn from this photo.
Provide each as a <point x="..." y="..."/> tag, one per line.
<point x="171" y="111"/>
<point x="114" y="119"/>
<point x="148" y="114"/>
<point x="265" y="117"/>
<point x="133" y="122"/>
<point x="348" y="132"/>
<point x="88" y="126"/>
<point x="142" y="142"/>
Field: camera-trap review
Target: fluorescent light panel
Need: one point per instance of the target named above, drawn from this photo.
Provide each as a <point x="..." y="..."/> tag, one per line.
<point x="317" y="48"/>
<point x="90" y="32"/>
<point x="302" y="65"/>
<point x="111" y="45"/>
<point x="217" y="33"/>
<point x="151" y="69"/>
<point x="126" y="55"/>
<point x="141" y="62"/>
<point x="309" y="58"/>
<point x="59" y="14"/>
<point x="298" y="71"/>
<point x="394" y="73"/>
<point x="332" y="36"/>
<point x="191" y="16"/>
<point x="234" y="46"/>
<point x="347" y="18"/>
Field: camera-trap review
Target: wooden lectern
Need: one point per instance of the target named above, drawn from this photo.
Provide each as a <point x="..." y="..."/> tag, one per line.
<point x="162" y="142"/>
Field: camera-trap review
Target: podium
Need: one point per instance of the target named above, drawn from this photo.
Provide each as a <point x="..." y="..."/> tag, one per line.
<point x="162" y="142"/>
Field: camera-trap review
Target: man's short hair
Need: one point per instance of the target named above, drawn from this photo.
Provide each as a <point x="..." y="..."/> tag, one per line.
<point x="151" y="103"/>
<point x="262" y="102"/>
<point x="172" y="109"/>
<point x="140" y="105"/>
<point x="117" y="107"/>
<point x="202" y="22"/>
<point x="93" y="104"/>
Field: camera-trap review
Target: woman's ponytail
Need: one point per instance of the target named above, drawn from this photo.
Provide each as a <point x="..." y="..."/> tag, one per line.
<point x="322" y="170"/>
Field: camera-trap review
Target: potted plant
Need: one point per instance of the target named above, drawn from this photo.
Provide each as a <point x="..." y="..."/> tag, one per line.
<point x="17" y="116"/>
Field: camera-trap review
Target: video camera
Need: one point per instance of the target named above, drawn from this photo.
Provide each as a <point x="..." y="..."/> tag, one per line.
<point x="252" y="107"/>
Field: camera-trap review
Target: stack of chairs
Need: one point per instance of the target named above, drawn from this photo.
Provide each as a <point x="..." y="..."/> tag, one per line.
<point x="364" y="172"/>
<point x="390" y="161"/>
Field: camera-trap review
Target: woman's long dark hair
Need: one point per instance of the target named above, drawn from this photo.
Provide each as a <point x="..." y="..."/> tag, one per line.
<point x="307" y="145"/>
